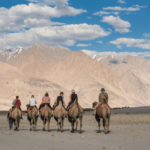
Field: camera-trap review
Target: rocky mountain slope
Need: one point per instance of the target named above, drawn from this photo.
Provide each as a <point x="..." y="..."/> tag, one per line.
<point x="43" y="69"/>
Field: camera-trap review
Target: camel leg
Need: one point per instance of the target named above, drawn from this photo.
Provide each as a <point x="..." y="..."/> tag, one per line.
<point x="76" y="125"/>
<point x="104" y="125"/>
<point x="80" y="124"/>
<point x="48" y="124"/>
<point x="57" y="126"/>
<point x="35" y="122"/>
<point x="72" y="123"/>
<point x="15" y="127"/>
<point x="99" y="125"/>
<point x="17" y="124"/>
<point x="30" y="126"/>
<point x="43" y="125"/>
<point x="107" y="125"/>
<point x="61" y="123"/>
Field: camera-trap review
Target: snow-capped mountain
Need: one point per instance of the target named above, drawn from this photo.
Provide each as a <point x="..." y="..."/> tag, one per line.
<point x="115" y="58"/>
<point x="7" y="53"/>
<point x="111" y="60"/>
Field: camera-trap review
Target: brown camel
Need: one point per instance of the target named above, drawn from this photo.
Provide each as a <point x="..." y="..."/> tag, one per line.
<point x="74" y="113"/>
<point x="103" y="112"/>
<point x="32" y="116"/>
<point x="46" y="116"/>
<point x="16" y="115"/>
<point x="59" y="115"/>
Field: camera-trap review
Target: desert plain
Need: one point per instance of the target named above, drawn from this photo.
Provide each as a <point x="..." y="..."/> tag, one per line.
<point x="129" y="130"/>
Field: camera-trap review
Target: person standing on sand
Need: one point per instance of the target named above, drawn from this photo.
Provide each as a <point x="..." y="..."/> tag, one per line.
<point x="103" y="98"/>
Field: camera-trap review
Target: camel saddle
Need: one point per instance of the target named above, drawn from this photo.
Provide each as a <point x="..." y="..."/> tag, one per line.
<point x="101" y="105"/>
<point x="71" y="105"/>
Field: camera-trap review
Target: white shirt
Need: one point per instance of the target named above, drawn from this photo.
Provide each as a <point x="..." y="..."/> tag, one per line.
<point x="32" y="102"/>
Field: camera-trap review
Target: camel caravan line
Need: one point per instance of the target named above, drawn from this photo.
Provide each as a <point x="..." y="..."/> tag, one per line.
<point x="74" y="113"/>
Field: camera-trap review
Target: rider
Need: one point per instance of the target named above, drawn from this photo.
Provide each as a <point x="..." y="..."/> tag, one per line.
<point x="32" y="102"/>
<point x="73" y="97"/>
<point x="60" y="98"/>
<point x="103" y="98"/>
<point x="45" y="100"/>
<point x="15" y="103"/>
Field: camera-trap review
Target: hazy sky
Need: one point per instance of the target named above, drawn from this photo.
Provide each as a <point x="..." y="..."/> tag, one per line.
<point x="98" y="25"/>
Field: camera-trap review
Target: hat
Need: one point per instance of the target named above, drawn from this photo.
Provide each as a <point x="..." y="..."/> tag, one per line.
<point x="73" y="90"/>
<point x="102" y="89"/>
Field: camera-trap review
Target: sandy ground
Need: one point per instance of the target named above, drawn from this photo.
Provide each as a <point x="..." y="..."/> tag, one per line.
<point x="128" y="130"/>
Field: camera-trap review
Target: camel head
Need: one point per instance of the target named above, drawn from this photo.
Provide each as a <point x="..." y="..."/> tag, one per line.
<point x="27" y="105"/>
<point x="54" y="105"/>
<point x="94" y="104"/>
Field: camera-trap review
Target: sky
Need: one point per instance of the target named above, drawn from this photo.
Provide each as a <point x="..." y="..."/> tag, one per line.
<point x="96" y="27"/>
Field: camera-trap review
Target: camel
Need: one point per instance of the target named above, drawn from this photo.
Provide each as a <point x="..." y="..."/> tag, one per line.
<point x="74" y="113"/>
<point x="46" y="116"/>
<point x="16" y="115"/>
<point x="32" y="115"/>
<point x="103" y="112"/>
<point x="59" y="116"/>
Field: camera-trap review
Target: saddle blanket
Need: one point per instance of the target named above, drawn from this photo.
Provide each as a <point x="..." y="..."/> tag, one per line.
<point x="30" y="108"/>
<point x="102" y="104"/>
<point x="70" y="105"/>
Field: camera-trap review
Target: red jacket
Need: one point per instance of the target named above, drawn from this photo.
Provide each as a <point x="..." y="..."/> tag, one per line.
<point x="17" y="102"/>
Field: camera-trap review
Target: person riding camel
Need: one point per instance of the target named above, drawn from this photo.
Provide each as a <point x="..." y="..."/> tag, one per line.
<point x="32" y="103"/>
<point x="15" y="103"/>
<point x="73" y="97"/>
<point x="45" y="100"/>
<point x="103" y="98"/>
<point x="60" y="98"/>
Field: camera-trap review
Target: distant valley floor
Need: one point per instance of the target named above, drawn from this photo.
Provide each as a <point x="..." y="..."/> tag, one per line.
<point x="127" y="131"/>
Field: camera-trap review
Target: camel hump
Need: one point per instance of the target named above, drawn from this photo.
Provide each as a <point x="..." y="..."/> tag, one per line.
<point x="76" y="101"/>
<point x="60" y="103"/>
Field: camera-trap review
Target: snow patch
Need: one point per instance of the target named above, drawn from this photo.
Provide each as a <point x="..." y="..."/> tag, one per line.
<point x="8" y="52"/>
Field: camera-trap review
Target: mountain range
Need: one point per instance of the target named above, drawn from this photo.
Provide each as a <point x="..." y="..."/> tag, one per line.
<point x="51" y="69"/>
